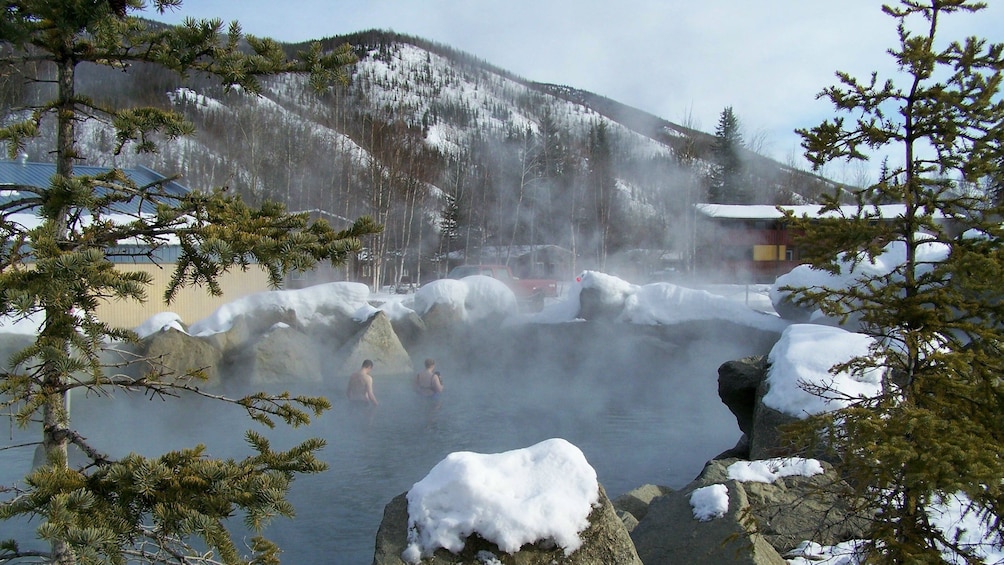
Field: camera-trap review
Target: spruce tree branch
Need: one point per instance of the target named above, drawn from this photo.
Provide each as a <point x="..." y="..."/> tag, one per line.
<point x="20" y="445"/>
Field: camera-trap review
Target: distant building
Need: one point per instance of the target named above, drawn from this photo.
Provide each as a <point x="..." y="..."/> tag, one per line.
<point x="356" y="268"/>
<point x="544" y="262"/>
<point x="752" y="243"/>
<point x="192" y="304"/>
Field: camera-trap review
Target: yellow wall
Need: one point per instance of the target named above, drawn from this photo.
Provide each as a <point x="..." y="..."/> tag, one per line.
<point x="768" y="252"/>
<point x="191" y="303"/>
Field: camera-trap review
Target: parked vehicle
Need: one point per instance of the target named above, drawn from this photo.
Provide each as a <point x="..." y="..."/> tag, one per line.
<point x="526" y="290"/>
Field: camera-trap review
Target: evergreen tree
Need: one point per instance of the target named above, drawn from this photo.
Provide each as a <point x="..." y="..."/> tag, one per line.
<point x="726" y="181"/>
<point x="937" y="428"/>
<point x="602" y="191"/>
<point x="140" y="509"/>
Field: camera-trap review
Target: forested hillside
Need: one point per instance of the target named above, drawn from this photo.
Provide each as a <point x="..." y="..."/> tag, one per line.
<point x="459" y="160"/>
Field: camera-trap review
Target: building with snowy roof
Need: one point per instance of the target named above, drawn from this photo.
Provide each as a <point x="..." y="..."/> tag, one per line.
<point x="753" y="243"/>
<point x="191" y="304"/>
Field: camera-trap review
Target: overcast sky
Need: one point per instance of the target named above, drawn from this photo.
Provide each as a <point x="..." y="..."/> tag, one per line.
<point x="678" y="59"/>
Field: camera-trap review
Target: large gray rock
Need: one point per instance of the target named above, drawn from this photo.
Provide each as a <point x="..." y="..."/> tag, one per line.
<point x="443" y="320"/>
<point x="172" y="354"/>
<point x="410" y="329"/>
<point x="247" y="328"/>
<point x="793" y="509"/>
<point x="742" y="385"/>
<point x="604" y="541"/>
<point x="764" y="520"/>
<point x="597" y="305"/>
<point x="670" y="533"/>
<point x="767" y="440"/>
<point x="377" y="342"/>
<point x="284" y="354"/>
<point x="636" y="501"/>
<point x="738" y="382"/>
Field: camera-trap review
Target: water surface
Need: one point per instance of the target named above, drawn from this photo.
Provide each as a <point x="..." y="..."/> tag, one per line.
<point x="642" y="410"/>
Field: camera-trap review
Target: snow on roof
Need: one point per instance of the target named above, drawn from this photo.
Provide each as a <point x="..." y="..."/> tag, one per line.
<point x="769" y="212"/>
<point x="544" y="492"/>
<point x="40" y="175"/>
<point x="28" y="221"/>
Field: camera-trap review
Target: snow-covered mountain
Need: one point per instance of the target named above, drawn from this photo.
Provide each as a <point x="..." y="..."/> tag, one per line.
<point x="449" y="153"/>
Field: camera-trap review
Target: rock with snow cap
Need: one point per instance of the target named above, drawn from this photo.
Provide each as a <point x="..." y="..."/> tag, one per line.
<point x="772" y="506"/>
<point x="670" y="533"/>
<point x="605" y="540"/>
<point x="742" y="385"/>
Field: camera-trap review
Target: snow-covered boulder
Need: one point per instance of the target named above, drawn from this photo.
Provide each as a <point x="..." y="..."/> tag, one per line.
<point x="602" y="297"/>
<point x="323" y="310"/>
<point x="304" y="307"/>
<point x="799" y="381"/>
<point x="793" y="382"/>
<point x="605" y="540"/>
<point x="475" y="298"/>
<point x="541" y="504"/>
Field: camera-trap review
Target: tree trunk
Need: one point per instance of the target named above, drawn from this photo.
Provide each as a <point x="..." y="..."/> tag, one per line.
<point x="55" y="412"/>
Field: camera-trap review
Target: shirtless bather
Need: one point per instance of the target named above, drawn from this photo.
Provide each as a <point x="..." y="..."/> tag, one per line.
<point x="428" y="382"/>
<point x="361" y="385"/>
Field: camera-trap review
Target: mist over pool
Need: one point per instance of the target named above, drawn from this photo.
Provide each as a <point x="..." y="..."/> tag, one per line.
<point x="640" y="401"/>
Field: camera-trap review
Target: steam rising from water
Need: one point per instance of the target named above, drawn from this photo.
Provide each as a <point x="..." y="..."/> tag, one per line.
<point x="639" y="401"/>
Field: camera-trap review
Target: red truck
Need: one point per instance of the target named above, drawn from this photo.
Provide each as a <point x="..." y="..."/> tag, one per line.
<point x="526" y="290"/>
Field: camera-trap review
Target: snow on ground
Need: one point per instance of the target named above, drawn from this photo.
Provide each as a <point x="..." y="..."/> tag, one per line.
<point x="542" y="492"/>
<point x="961" y="522"/>
<point x="953" y="516"/>
<point x="811" y="553"/>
